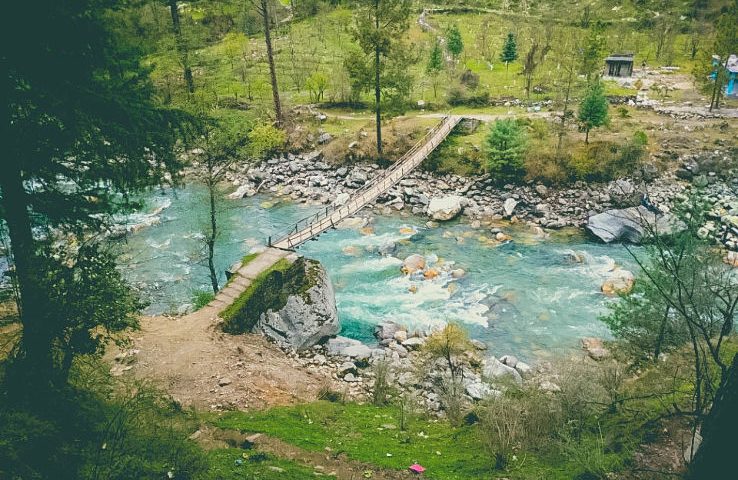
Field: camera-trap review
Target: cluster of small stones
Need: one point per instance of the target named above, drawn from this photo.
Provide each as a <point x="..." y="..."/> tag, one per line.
<point x="350" y="363"/>
<point x="307" y="178"/>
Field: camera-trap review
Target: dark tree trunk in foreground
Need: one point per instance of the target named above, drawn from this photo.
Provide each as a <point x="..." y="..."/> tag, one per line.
<point x="181" y="47"/>
<point x="36" y="342"/>
<point x="715" y="458"/>
<point x="264" y="10"/>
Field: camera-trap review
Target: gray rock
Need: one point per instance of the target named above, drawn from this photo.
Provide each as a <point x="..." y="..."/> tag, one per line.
<point x="445" y="208"/>
<point x="413" y="343"/>
<point x="306" y="319"/>
<point x="342" y="199"/>
<point x="625" y="194"/>
<point x="480" y="391"/>
<point x="631" y="224"/>
<point x="495" y="369"/>
<point x="479" y="345"/>
<point x="509" y="360"/>
<point x="387" y="330"/>
<point x="523" y="368"/>
<point x="324" y="138"/>
<point x="509" y="206"/>
<point x="350" y="377"/>
<point x="346" y="367"/>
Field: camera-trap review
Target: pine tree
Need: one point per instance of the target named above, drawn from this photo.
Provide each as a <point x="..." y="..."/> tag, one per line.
<point x="509" y="50"/>
<point x="455" y="44"/>
<point x="506" y="146"/>
<point x="435" y="65"/>
<point x="83" y="127"/>
<point x="593" y="109"/>
<point x="379" y="23"/>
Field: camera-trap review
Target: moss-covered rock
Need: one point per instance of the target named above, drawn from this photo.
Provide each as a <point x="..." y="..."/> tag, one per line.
<point x="292" y="303"/>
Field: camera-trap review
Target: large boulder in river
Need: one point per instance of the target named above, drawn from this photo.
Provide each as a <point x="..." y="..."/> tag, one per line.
<point x="307" y="317"/>
<point x="445" y="208"/>
<point x="632" y="225"/>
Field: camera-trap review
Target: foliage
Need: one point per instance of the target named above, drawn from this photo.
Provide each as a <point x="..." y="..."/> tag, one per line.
<point x="88" y="137"/>
<point x="509" y="50"/>
<point x="86" y="431"/>
<point x="696" y="295"/>
<point x="266" y="140"/>
<point x="593" y="110"/>
<point x="201" y="299"/>
<point x="316" y="83"/>
<point x="469" y="79"/>
<point x="604" y="161"/>
<point x="454" y="43"/>
<point x="593" y="51"/>
<point x="505" y="146"/>
<point x="435" y="59"/>
<point x="382" y="388"/>
<point x="448" y="344"/>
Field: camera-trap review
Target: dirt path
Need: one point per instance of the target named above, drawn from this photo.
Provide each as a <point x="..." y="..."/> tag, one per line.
<point x="326" y="462"/>
<point x="198" y="365"/>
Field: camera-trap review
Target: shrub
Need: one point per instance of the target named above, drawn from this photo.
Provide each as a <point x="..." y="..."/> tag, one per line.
<point x="469" y="79"/>
<point x="202" y="298"/>
<point x="266" y="140"/>
<point x="519" y="417"/>
<point x="547" y="167"/>
<point x="506" y="146"/>
<point x="604" y="161"/>
<point x="459" y="95"/>
<point x="381" y="389"/>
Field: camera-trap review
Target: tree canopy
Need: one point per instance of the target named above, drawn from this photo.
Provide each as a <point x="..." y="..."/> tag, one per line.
<point x="84" y="132"/>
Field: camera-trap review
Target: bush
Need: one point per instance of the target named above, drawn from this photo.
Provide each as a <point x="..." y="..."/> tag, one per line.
<point x="382" y="389"/>
<point x="266" y="140"/>
<point x="461" y="96"/>
<point x="96" y="429"/>
<point x="604" y="161"/>
<point x="202" y="298"/>
<point x="469" y="79"/>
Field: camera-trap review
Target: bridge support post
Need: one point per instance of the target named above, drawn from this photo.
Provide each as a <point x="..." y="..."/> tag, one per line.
<point x="269" y="242"/>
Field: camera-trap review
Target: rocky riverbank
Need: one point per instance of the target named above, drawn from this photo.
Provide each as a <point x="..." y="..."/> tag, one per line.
<point x="307" y="178"/>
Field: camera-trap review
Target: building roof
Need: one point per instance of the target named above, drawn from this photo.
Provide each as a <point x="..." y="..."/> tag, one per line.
<point x="620" y="57"/>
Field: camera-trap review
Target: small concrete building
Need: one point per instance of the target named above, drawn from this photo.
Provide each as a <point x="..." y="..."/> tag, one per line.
<point x="619" y="65"/>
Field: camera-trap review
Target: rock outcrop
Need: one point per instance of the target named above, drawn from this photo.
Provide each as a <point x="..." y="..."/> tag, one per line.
<point x="631" y="225"/>
<point x="307" y="317"/>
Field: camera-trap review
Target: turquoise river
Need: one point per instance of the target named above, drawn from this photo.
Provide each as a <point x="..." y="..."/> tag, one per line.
<point x="528" y="296"/>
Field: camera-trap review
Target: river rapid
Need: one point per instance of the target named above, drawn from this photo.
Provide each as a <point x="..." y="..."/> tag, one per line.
<point x="534" y="296"/>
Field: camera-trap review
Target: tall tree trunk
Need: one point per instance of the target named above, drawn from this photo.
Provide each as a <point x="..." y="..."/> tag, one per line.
<point x="715" y="456"/>
<point x="181" y="46"/>
<point x="586" y="136"/>
<point x="212" y="234"/>
<point x="377" y="86"/>
<point x="662" y="334"/>
<point x="567" y="97"/>
<point x="270" y="57"/>
<point x="36" y="340"/>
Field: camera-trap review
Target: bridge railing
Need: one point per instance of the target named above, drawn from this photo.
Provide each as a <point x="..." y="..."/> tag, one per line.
<point x="365" y="194"/>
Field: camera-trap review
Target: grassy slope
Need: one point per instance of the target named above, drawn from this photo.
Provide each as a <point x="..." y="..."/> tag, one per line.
<point x="371" y="434"/>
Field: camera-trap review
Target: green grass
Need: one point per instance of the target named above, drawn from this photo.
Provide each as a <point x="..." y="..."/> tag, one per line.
<point x="370" y="434"/>
<point x="233" y="463"/>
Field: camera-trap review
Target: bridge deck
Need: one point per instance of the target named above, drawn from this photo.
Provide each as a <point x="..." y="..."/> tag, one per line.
<point x="313" y="226"/>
